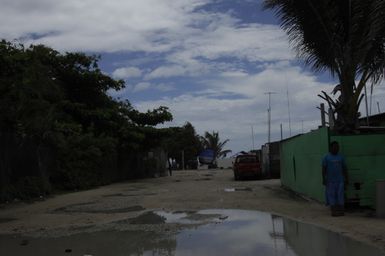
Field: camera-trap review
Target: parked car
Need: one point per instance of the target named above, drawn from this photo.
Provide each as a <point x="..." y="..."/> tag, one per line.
<point x="247" y="165"/>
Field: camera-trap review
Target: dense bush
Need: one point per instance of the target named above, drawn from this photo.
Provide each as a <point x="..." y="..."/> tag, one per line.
<point x="59" y="129"/>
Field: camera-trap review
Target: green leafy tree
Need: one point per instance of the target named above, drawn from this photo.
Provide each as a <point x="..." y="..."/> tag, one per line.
<point x="184" y="139"/>
<point x="212" y="141"/>
<point x="151" y="117"/>
<point x="345" y="37"/>
<point x="59" y="127"/>
<point x="28" y="107"/>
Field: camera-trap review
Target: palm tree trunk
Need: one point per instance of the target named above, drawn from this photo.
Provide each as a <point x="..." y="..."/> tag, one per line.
<point x="347" y="118"/>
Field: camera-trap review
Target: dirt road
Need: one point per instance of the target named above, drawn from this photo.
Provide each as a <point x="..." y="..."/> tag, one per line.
<point x="186" y="190"/>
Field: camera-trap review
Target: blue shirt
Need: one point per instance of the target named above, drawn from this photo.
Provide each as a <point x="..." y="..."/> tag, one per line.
<point x="334" y="165"/>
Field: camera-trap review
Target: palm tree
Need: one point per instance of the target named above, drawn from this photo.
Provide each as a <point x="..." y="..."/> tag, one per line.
<point x="212" y="141"/>
<point x="345" y="37"/>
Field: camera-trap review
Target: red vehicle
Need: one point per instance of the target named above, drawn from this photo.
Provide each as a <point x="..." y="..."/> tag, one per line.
<point x="247" y="165"/>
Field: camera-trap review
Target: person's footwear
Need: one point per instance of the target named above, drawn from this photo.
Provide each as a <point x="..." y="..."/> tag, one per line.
<point x="340" y="210"/>
<point x="337" y="210"/>
<point x="334" y="211"/>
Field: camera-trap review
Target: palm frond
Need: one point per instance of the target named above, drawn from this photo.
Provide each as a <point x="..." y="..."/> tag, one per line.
<point x="212" y="141"/>
<point x="345" y="37"/>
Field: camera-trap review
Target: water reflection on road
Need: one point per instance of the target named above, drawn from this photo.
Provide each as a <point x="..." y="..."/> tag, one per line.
<point x="206" y="232"/>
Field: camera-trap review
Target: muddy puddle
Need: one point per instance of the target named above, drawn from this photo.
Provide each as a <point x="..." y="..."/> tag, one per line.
<point x="206" y="232"/>
<point x="238" y="189"/>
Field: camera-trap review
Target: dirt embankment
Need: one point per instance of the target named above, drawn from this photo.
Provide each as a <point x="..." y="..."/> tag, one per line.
<point x="185" y="191"/>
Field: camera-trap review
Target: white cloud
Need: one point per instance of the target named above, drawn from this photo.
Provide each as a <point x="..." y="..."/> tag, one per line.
<point x="128" y="72"/>
<point x="210" y="50"/>
<point x="166" y="71"/>
<point x="199" y="53"/>
<point x="254" y="42"/>
<point x="230" y="74"/>
<point x="376" y="100"/>
<point x="141" y="87"/>
<point x="123" y="93"/>
<point x="147" y="25"/>
<point x="232" y="104"/>
<point x="144" y="86"/>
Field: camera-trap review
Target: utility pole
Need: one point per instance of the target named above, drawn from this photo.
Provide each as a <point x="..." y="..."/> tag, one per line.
<point x="378" y="107"/>
<point x="288" y="105"/>
<point x="322" y="108"/>
<point x="269" y="130"/>
<point x="252" y="136"/>
<point x="269" y="116"/>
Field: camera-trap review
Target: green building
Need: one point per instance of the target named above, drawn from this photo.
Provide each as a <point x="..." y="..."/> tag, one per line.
<point x="301" y="158"/>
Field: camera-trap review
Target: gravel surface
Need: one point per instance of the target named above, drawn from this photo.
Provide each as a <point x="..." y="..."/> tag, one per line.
<point x="185" y="191"/>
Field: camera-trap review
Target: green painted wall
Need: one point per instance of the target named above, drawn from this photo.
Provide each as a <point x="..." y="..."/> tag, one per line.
<point x="301" y="163"/>
<point x="365" y="158"/>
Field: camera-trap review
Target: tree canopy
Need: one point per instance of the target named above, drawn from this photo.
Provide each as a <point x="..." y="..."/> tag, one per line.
<point x="346" y="38"/>
<point x="183" y="139"/>
<point x="58" y="126"/>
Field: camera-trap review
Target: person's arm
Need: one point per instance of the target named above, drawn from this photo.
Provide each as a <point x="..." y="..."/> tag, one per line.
<point x="324" y="172"/>
<point x="323" y="175"/>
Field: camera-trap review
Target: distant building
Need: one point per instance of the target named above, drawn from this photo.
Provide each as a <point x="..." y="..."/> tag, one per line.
<point x="271" y="160"/>
<point x="225" y="163"/>
<point x="374" y="120"/>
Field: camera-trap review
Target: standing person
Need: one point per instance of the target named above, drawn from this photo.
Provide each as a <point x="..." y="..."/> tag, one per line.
<point x="334" y="178"/>
<point x="169" y="166"/>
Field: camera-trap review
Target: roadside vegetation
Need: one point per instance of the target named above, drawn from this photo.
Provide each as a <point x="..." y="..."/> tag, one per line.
<point x="213" y="141"/>
<point x="61" y="130"/>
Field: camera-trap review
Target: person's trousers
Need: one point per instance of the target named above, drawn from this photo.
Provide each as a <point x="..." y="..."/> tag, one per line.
<point x="335" y="193"/>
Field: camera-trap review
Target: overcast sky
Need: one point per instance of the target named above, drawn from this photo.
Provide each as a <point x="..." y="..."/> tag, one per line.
<point x="210" y="61"/>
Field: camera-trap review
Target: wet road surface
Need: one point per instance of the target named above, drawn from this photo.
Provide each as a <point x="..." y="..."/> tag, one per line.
<point x="204" y="232"/>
